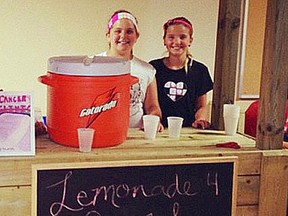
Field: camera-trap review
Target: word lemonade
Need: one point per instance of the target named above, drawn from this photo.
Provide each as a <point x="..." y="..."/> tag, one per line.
<point x="114" y="194"/>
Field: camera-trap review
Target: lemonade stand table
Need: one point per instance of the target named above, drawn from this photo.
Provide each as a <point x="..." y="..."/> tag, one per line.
<point x="261" y="181"/>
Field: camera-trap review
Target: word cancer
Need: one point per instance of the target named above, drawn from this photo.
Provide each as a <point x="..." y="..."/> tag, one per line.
<point x="15" y="104"/>
<point x="13" y="98"/>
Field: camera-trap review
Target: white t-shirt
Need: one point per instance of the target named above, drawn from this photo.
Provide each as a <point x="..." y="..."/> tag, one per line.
<point x="145" y="73"/>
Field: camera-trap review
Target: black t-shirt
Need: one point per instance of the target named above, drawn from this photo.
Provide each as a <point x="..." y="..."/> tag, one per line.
<point x="178" y="91"/>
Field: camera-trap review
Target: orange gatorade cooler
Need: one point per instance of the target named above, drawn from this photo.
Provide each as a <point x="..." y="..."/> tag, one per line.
<point x="89" y="92"/>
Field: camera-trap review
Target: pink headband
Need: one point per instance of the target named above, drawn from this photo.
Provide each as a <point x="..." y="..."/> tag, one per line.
<point x="122" y="15"/>
<point x="173" y="21"/>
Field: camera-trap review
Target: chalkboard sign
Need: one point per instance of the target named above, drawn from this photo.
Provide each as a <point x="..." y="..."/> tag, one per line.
<point x="200" y="187"/>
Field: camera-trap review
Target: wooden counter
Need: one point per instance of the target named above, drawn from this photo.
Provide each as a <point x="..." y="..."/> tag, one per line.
<point x="262" y="175"/>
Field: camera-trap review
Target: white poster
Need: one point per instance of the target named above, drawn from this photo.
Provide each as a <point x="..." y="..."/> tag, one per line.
<point x="17" y="129"/>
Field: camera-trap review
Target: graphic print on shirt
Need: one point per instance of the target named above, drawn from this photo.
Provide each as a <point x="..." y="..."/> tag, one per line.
<point x="136" y="96"/>
<point x="175" y="91"/>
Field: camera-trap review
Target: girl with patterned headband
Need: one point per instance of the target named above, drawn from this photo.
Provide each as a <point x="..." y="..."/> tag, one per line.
<point x="182" y="81"/>
<point x="121" y="15"/>
<point x="122" y="33"/>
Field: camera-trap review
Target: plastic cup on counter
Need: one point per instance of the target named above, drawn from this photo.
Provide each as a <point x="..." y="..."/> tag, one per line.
<point x="85" y="139"/>
<point x="174" y="126"/>
<point x="150" y="123"/>
<point x="231" y="113"/>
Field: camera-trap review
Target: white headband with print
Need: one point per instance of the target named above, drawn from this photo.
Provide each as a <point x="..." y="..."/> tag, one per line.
<point x="122" y="15"/>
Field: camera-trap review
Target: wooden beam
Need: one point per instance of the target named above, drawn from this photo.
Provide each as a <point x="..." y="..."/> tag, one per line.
<point x="274" y="77"/>
<point x="273" y="164"/>
<point x="227" y="57"/>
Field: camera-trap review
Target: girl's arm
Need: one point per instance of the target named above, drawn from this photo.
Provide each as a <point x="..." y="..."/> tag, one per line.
<point x="151" y="104"/>
<point x="201" y="116"/>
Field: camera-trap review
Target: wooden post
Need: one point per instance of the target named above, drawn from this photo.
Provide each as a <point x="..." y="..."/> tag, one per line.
<point x="273" y="184"/>
<point x="274" y="78"/>
<point x="227" y="57"/>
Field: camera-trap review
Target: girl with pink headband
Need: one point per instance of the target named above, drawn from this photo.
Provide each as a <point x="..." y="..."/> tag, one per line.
<point x="122" y="15"/>
<point x="178" y="20"/>
<point x="182" y="81"/>
<point x="122" y="33"/>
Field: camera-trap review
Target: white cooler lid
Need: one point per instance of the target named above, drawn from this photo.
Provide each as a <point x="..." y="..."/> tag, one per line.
<point x="88" y="66"/>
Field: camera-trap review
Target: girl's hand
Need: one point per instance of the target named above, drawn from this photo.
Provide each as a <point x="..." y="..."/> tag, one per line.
<point x="160" y="127"/>
<point x="202" y="124"/>
<point x="285" y="145"/>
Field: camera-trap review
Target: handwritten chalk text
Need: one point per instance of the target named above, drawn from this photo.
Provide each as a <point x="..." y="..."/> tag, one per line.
<point x="114" y="193"/>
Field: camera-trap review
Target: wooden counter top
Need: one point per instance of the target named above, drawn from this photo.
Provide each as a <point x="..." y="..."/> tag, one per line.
<point x="193" y="140"/>
<point x="192" y="143"/>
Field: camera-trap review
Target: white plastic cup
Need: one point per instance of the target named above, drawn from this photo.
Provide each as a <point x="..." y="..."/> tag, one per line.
<point x="150" y="123"/>
<point x="231" y="113"/>
<point x="85" y="139"/>
<point x="174" y="126"/>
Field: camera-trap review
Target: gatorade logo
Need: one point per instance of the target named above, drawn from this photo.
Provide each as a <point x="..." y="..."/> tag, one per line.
<point x="98" y="109"/>
<point x="102" y="103"/>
